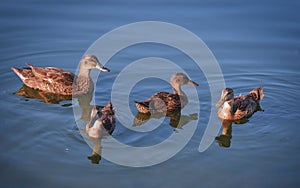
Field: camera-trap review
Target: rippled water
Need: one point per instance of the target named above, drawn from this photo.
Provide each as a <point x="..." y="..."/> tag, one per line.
<point x="256" y="44"/>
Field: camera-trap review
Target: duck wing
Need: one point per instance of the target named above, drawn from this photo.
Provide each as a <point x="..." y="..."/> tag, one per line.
<point x="52" y="74"/>
<point x="170" y="101"/>
<point x="243" y="107"/>
<point x="50" y="79"/>
<point x="159" y="103"/>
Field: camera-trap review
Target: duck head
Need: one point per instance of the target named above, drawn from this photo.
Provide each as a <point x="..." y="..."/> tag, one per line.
<point x="179" y="79"/>
<point x="227" y="94"/>
<point x="89" y="62"/>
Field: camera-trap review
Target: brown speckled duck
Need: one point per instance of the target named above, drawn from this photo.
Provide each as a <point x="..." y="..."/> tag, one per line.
<point x="240" y="107"/>
<point x="163" y="101"/>
<point x="101" y="122"/>
<point x="58" y="81"/>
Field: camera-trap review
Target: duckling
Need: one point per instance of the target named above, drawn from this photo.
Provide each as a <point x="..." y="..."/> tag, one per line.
<point x="58" y="81"/>
<point x="163" y="102"/>
<point x="237" y="108"/>
<point x="102" y="124"/>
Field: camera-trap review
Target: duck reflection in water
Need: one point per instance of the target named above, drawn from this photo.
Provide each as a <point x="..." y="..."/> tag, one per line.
<point x="31" y="93"/>
<point x="224" y="139"/>
<point x="236" y="110"/>
<point x="176" y="119"/>
<point x="84" y="100"/>
<point x="101" y="124"/>
<point x="167" y="104"/>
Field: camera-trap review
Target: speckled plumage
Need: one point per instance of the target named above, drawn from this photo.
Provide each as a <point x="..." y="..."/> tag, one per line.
<point x="163" y="102"/>
<point x="240" y="107"/>
<point x="58" y="81"/>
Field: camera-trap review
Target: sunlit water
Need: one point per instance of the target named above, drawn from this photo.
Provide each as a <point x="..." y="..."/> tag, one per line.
<point x="256" y="44"/>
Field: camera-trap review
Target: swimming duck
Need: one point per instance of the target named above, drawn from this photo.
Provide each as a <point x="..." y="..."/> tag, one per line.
<point x="58" y="81"/>
<point x="163" y="102"/>
<point x="240" y="107"/>
<point x="101" y="122"/>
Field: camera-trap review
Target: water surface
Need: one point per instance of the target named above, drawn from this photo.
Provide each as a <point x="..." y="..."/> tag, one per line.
<point x="256" y="44"/>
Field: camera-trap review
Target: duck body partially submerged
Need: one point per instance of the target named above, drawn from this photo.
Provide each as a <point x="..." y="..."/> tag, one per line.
<point x="57" y="81"/>
<point x="163" y="102"/>
<point x="240" y="107"/>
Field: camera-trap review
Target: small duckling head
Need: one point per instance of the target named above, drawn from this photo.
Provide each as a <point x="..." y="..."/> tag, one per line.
<point x="179" y="79"/>
<point x="227" y="94"/>
<point x="89" y="62"/>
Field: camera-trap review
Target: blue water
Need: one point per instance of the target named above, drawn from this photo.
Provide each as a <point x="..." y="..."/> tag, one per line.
<point x="255" y="43"/>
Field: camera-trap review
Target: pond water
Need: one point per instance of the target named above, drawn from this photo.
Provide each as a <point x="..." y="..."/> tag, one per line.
<point x="256" y="44"/>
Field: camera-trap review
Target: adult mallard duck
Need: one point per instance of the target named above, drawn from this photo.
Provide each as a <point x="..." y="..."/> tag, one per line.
<point x="163" y="102"/>
<point x="237" y="108"/>
<point x="58" y="81"/>
<point x="101" y="122"/>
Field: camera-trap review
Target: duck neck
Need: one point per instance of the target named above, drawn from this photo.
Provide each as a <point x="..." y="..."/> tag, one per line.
<point x="84" y="73"/>
<point x="177" y="90"/>
<point x="83" y="82"/>
<point x="183" y="98"/>
<point x="228" y="108"/>
<point x="90" y="123"/>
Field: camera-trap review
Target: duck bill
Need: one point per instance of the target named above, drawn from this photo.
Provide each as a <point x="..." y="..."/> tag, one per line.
<point x="220" y="102"/>
<point x="102" y="68"/>
<point x="192" y="83"/>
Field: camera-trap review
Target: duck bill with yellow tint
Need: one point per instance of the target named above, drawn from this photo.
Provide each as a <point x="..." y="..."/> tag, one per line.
<point x="192" y="83"/>
<point x="102" y="68"/>
<point x="220" y="102"/>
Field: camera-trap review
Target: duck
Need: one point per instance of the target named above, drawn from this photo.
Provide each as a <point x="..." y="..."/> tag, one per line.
<point x="240" y="107"/>
<point x="163" y="102"/>
<point x="102" y="122"/>
<point x="57" y="81"/>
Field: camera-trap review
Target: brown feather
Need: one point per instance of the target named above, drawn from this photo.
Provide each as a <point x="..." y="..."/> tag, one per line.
<point x="241" y="107"/>
<point x="164" y="102"/>
<point x="57" y="81"/>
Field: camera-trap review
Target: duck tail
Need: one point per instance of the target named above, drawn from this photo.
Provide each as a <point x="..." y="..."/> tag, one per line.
<point x="29" y="65"/>
<point x="142" y="107"/>
<point x="19" y="72"/>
